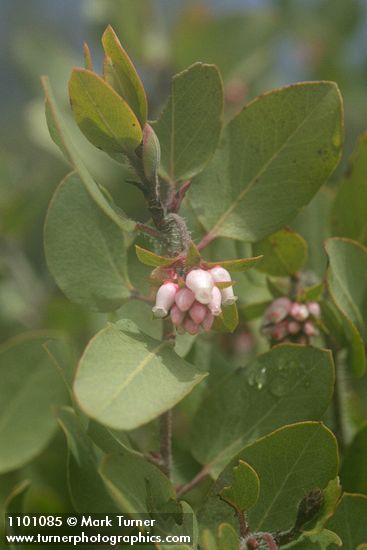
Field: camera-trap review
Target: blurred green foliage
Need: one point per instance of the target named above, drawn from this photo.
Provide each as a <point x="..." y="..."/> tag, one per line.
<point x="256" y="48"/>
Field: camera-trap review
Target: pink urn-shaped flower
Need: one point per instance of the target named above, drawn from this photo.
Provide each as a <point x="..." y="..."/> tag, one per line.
<point x="194" y="306"/>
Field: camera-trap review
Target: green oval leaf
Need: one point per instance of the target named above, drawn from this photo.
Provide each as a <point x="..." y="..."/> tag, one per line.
<point x="347" y="283"/>
<point x="88" y="63"/>
<point x="227" y="537"/>
<point x="136" y="485"/>
<point x="244" y="490"/>
<point x="284" y="253"/>
<point x="347" y="279"/>
<point x="237" y="266"/>
<point x="349" y="212"/>
<point x="354" y="473"/>
<point x="85" y="250"/>
<point x="325" y="540"/>
<point x="259" y="398"/>
<point x="102" y="115"/>
<point x="30" y="390"/>
<point x="125" y="378"/>
<point x="121" y="74"/>
<point x="61" y="138"/>
<point x="189" y="127"/>
<point x="289" y="462"/>
<point x="87" y="489"/>
<point x="227" y="321"/>
<point x="193" y="256"/>
<point x="349" y="521"/>
<point x="263" y="172"/>
<point x="147" y="257"/>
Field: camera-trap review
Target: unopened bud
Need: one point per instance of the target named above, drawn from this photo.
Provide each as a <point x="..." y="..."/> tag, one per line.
<point x="221" y="275"/>
<point x="216" y="301"/>
<point x="198" y="312"/>
<point x="190" y="326"/>
<point x="201" y="284"/>
<point x="151" y="153"/>
<point x="279" y="331"/>
<point x="309" y="506"/>
<point x="293" y="327"/>
<point x="184" y="299"/>
<point x="309" y="329"/>
<point x="278" y="310"/>
<point x="177" y="316"/>
<point x="208" y="321"/>
<point x="314" y="309"/>
<point x="165" y="299"/>
<point x="299" y="312"/>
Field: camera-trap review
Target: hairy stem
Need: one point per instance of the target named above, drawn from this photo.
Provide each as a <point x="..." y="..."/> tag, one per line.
<point x="244" y="528"/>
<point x="270" y="541"/>
<point x="171" y="227"/>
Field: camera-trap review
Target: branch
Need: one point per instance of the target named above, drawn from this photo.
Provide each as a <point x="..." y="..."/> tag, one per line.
<point x="148" y="230"/>
<point x="182" y="489"/>
<point x="244" y="528"/>
<point x="207" y="239"/>
<point x="169" y="335"/>
<point x="136" y="295"/>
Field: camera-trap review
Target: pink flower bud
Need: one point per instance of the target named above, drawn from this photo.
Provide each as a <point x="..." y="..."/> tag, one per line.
<point x="314" y="309"/>
<point x="279" y="331"/>
<point x="165" y="299"/>
<point x="208" y="321"/>
<point x="198" y="312"/>
<point x="309" y="329"/>
<point x="184" y="299"/>
<point x="299" y="312"/>
<point x="278" y="310"/>
<point x="177" y="316"/>
<point x="293" y="327"/>
<point x="201" y="283"/>
<point x="191" y="327"/>
<point x="215" y="302"/>
<point x="221" y="275"/>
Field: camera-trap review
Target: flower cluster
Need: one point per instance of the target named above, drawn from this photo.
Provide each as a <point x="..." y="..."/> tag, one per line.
<point x="285" y="320"/>
<point x="195" y="303"/>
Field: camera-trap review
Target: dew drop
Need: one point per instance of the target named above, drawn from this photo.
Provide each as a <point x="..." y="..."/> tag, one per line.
<point x="257" y="377"/>
<point x="260" y="378"/>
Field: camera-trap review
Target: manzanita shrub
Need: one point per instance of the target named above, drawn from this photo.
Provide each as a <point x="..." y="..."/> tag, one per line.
<point x="254" y="457"/>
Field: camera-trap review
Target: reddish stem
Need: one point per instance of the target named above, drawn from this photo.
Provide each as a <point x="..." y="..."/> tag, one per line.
<point x="178" y="197"/>
<point x="151" y="231"/>
<point x="207" y="239"/>
<point x="270" y="541"/>
<point x="182" y="489"/>
<point x="244" y="528"/>
<point x="135" y="295"/>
